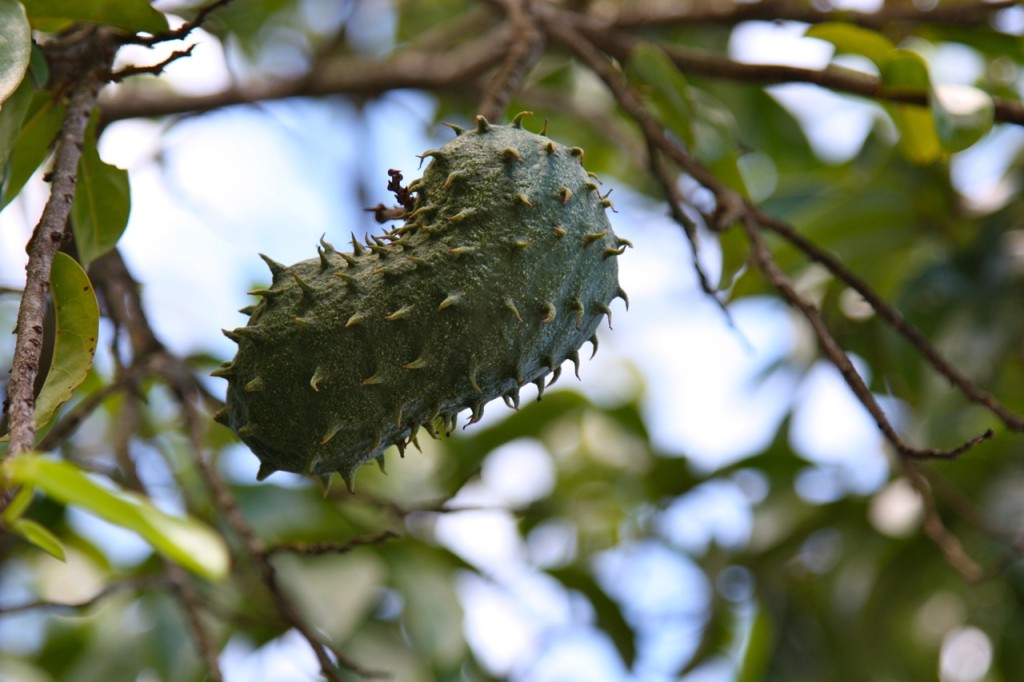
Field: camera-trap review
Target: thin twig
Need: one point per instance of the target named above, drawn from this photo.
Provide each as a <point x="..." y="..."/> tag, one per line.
<point x="152" y="69"/>
<point x="193" y="609"/>
<point x="179" y="33"/>
<point x="559" y="26"/>
<point x="133" y="584"/>
<point x="123" y="438"/>
<point x="256" y="550"/>
<point x="317" y="548"/>
<point x="668" y="188"/>
<point x="451" y="68"/>
<point x="730" y="208"/>
<point x="834" y="352"/>
<point x="948" y="543"/>
<point x="894" y="319"/>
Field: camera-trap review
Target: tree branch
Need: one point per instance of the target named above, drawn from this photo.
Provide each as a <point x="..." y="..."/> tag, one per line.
<point x="732" y="13"/>
<point x="317" y="548"/>
<point x="730" y="209"/>
<point x="834" y="352"/>
<point x="453" y="68"/>
<point x="49" y="234"/>
<point x="893" y="318"/>
<point x="527" y="47"/>
<point x="948" y="543"/>
<point x="256" y="551"/>
<point x="133" y="584"/>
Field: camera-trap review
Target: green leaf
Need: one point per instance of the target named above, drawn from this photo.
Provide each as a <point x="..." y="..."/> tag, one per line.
<point x="15" y="46"/>
<point x="907" y="72"/>
<point x="963" y="115"/>
<point x="701" y="121"/>
<point x="12" y="114"/>
<point x="608" y="614"/>
<point x="38" y="536"/>
<point x="735" y="256"/>
<point x="102" y="203"/>
<point x="852" y="39"/>
<point x="667" y="89"/>
<point x="76" y="330"/>
<point x="757" y="656"/>
<point x="185" y="541"/>
<point x="130" y="15"/>
<point x="31" y="147"/>
<point x="18" y="505"/>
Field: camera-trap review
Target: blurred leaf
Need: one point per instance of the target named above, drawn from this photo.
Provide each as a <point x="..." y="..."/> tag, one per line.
<point x="717" y="637"/>
<point x="704" y="125"/>
<point x="904" y="72"/>
<point x="852" y="39"/>
<point x="38" y="536"/>
<point x="15" y="47"/>
<point x="963" y="115"/>
<point x="609" y="615"/>
<point x="757" y="656"/>
<point x="432" y="614"/>
<point x="130" y="15"/>
<point x="184" y="541"/>
<point x="666" y="88"/>
<point x="38" y="130"/>
<point x="466" y="453"/>
<point x="735" y="248"/>
<point x="247" y="22"/>
<point x="102" y="202"/>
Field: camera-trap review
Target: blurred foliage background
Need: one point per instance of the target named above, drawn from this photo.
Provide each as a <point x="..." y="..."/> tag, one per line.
<point x="637" y="560"/>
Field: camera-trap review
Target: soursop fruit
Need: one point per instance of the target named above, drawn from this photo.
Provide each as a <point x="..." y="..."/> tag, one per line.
<point x="502" y="270"/>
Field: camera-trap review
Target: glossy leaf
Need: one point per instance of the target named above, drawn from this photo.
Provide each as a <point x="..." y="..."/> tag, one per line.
<point x="38" y="130"/>
<point x="130" y="15"/>
<point x="102" y="203"/>
<point x="184" y="541"/>
<point x="15" y="46"/>
<point x="906" y="71"/>
<point x="757" y="657"/>
<point x="38" y="536"/>
<point x="665" y="87"/>
<point x="852" y="39"/>
<point x="12" y="114"/>
<point x="77" y="327"/>
<point x="18" y="506"/>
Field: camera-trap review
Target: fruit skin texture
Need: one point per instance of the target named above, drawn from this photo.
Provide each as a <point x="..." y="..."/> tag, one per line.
<point x="503" y="269"/>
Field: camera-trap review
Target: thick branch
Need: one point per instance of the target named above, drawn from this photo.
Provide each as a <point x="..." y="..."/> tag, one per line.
<point x="317" y="548"/>
<point x="731" y="13"/>
<point x="47" y="237"/>
<point x="352" y="76"/>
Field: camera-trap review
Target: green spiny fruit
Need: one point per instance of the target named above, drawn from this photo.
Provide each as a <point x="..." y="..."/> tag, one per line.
<point x="502" y="270"/>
